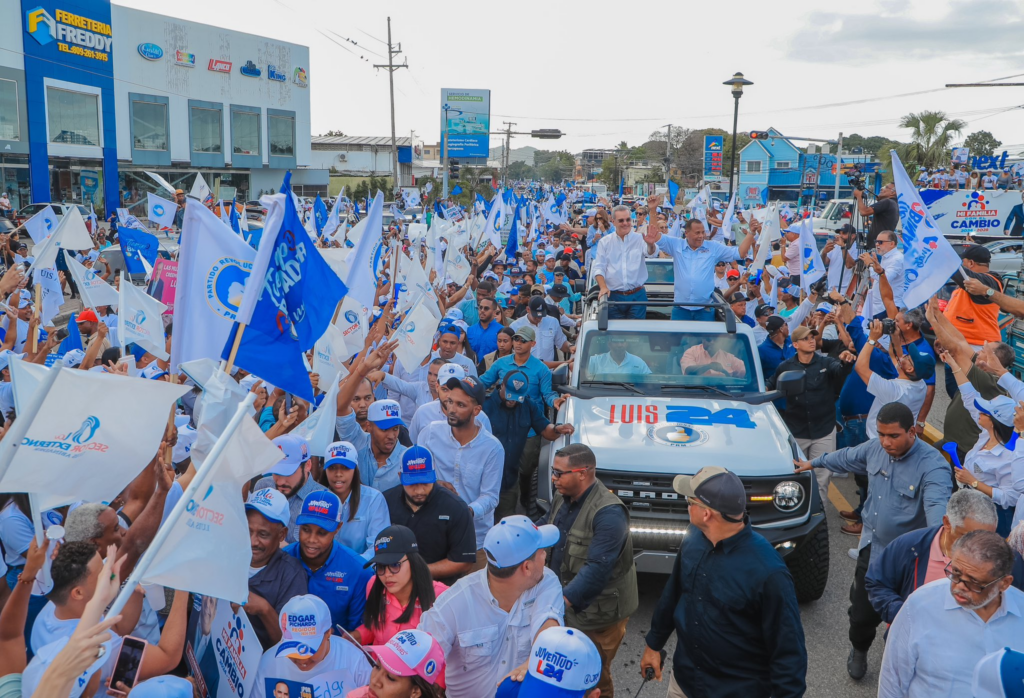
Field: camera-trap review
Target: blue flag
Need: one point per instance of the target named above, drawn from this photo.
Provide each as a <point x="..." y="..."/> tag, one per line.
<point x="320" y="214"/>
<point x="457" y="190"/>
<point x="136" y="244"/>
<point x="764" y="196"/>
<point x="512" y="246"/>
<point x="622" y="184"/>
<point x="673" y="192"/>
<point x="290" y="301"/>
<point x="560" y="199"/>
<point x="233" y="218"/>
<point x="73" y="340"/>
<point x="355" y="205"/>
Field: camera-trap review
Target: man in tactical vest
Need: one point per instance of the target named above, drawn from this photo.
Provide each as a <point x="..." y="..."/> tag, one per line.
<point x="594" y="555"/>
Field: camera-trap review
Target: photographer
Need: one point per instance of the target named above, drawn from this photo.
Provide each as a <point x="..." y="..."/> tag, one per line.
<point x="840" y="253"/>
<point x="885" y="213"/>
<point x="884" y="259"/>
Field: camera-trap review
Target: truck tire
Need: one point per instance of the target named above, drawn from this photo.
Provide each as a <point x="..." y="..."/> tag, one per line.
<point x="809" y="566"/>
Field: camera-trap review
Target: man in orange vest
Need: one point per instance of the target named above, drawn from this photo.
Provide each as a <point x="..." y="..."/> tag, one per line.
<point x="977" y="317"/>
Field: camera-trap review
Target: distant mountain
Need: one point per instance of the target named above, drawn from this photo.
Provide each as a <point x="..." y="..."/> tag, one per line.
<point x="524" y="154"/>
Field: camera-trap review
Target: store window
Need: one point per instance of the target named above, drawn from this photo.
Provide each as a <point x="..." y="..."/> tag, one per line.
<point x="207" y="136"/>
<point x="245" y="132"/>
<point x="10" y="128"/>
<point x="282" y="136"/>
<point x="149" y="125"/>
<point x="74" y="117"/>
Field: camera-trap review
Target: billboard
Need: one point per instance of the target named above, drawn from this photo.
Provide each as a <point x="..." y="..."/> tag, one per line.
<point x="713" y="147"/>
<point x="468" y="122"/>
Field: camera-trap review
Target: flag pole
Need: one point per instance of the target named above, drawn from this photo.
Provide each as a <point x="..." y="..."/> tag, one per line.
<point x="39" y="302"/>
<point x="234" y="348"/>
<point x="199" y="481"/>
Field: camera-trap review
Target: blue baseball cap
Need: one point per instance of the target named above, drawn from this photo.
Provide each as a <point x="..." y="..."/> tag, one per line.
<point x="385" y="414"/>
<point x="515" y="539"/>
<point x="517" y="385"/>
<point x="322" y="508"/>
<point x="999" y="675"/>
<point x="417" y="467"/>
<point x="342" y="453"/>
<point x="564" y="663"/>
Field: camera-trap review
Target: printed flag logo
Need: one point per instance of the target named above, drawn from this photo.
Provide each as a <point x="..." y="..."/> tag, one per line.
<point x="73" y="444"/>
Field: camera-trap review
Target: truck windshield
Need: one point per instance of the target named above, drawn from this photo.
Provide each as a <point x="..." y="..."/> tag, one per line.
<point x="660" y="273"/>
<point x="720" y="361"/>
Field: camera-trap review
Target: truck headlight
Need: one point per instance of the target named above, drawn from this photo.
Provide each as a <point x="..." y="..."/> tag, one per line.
<point x="788" y="495"/>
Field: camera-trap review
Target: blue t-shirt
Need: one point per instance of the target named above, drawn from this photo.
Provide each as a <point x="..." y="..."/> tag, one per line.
<point x="340" y="583"/>
<point x="508" y="689"/>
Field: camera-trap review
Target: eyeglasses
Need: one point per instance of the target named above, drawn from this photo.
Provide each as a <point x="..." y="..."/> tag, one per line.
<point x="957" y="578"/>
<point x="556" y="474"/>
<point x="393" y="569"/>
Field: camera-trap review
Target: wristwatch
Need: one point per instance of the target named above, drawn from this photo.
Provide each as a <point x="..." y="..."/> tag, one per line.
<point x="872" y="342"/>
<point x="990" y="292"/>
<point x="974" y="484"/>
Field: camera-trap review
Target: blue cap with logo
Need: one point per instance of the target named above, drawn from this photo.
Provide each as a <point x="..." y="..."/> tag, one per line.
<point x="322" y="508"/>
<point x="342" y="453"/>
<point x="385" y="414"/>
<point x="564" y="663"/>
<point x="296" y="452"/>
<point x="517" y="385"/>
<point x="418" y="467"/>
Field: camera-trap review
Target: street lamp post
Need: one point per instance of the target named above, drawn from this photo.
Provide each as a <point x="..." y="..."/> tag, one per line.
<point x="737" y="82"/>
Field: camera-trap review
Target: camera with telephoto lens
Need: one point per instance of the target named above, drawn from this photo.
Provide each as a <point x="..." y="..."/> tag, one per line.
<point x="820" y="286"/>
<point x="888" y="325"/>
<point x="856" y="178"/>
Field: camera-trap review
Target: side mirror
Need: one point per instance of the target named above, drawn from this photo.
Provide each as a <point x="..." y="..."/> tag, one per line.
<point x="790" y="383"/>
<point x="560" y="376"/>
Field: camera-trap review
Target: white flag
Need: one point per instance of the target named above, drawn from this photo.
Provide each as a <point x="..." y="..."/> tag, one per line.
<point x="496" y="219"/>
<point x="71" y="234"/>
<point x="415" y="336"/>
<point x="95" y="291"/>
<point x="928" y="258"/>
<point x="201" y="190"/>
<point x="52" y="295"/>
<point x="318" y="428"/>
<point x="329" y="355"/>
<point x="353" y="323"/>
<point x="207" y="549"/>
<point x="811" y="266"/>
<point x="162" y="182"/>
<point x="415" y="279"/>
<point x="457" y="266"/>
<point x="729" y="218"/>
<point x="140" y="320"/>
<point x="363" y="261"/>
<point x="41" y="225"/>
<point x="764" y="243"/>
<point x="417" y="232"/>
<point x="161" y="211"/>
<point x="333" y="221"/>
<point x="82" y="448"/>
<point x="213" y="267"/>
<point x="127" y="220"/>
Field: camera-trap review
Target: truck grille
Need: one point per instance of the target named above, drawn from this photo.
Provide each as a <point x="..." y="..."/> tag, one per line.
<point x="659" y="516"/>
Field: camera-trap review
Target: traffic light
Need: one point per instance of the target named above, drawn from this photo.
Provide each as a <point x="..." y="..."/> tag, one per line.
<point x="760" y="135"/>
<point x="453" y="169"/>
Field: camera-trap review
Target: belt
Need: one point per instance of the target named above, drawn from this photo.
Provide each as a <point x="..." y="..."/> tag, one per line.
<point x="853" y="417"/>
<point x="630" y="292"/>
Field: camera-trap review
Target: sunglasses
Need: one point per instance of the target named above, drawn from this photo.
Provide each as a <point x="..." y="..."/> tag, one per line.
<point x="393" y="569"/>
<point x="957" y="578"/>
<point x="556" y="474"/>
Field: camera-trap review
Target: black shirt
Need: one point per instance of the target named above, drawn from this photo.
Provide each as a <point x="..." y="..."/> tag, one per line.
<point x="443" y="525"/>
<point x="281" y="579"/>
<point x="811" y="414"/>
<point x="733" y="608"/>
<point x="886" y="216"/>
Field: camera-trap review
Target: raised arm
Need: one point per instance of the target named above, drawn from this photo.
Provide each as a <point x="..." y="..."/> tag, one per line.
<point x="950" y="337"/>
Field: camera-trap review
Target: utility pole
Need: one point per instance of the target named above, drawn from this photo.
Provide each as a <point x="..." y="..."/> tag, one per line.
<point x="508" y="144"/>
<point x="392" y="52"/>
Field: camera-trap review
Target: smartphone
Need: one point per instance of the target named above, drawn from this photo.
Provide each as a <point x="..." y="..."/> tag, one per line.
<point x="126" y="669"/>
<point x="61" y="334"/>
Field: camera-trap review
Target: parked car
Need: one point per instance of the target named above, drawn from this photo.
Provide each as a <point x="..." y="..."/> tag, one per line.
<point x="60" y="209"/>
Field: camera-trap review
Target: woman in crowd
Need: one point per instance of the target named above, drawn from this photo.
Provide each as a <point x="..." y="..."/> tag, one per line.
<point x="401" y="590"/>
<point x="504" y="340"/>
<point x="991" y="466"/>
<point x="364" y="513"/>
<point x="409" y="665"/>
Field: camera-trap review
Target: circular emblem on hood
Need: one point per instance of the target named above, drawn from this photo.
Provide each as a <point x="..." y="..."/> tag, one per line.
<point x="677" y="435"/>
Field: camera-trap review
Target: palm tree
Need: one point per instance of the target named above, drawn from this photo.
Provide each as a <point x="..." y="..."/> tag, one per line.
<point x="932" y="137"/>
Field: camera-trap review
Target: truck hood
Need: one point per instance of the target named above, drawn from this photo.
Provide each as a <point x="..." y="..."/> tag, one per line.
<point x="681" y="435"/>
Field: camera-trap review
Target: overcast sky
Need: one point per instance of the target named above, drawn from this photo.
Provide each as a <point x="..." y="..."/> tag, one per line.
<point x="604" y="72"/>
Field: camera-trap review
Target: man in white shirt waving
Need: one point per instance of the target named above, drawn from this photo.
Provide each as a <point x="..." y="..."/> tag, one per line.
<point x="487" y="622"/>
<point x="619" y="268"/>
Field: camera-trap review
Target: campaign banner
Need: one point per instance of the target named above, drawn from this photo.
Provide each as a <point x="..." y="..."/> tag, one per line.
<point x="286" y="688"/>
<point x="961" y="156"/>
<point x="164" y="283"/>
<point x="466" y="117"/>
<point x="221" y="650"/>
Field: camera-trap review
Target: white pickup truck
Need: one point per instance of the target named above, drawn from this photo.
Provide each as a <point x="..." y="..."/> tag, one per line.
<point x="663" y="416"/>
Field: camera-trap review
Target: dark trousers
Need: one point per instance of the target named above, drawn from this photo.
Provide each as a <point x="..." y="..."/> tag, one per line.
<point x="863" y="618"/>
<point x="527" y="467"/>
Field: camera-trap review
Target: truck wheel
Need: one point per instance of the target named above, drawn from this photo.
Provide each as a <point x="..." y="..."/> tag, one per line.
<point x="809" y="566"/>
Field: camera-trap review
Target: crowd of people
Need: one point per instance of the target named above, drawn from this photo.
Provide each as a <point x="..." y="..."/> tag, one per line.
<point x="410" y="558"/>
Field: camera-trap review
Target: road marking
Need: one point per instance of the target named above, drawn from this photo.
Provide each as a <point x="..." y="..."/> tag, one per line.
<point x="837" y="498"/>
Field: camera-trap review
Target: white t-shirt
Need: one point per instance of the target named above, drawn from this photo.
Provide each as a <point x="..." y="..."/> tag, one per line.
<point x="344" y="669"/>
<point x="886" y="390"/>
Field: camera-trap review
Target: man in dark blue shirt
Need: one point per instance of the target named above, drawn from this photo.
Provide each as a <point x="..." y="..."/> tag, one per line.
<point x="777" y="348"/>
<point x="512" y="417"/>
<point x="730" y="600"/>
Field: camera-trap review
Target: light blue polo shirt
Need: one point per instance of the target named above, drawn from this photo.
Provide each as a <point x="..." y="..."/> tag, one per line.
<point x="381" y="479"/>
<point x="695" y="268"/>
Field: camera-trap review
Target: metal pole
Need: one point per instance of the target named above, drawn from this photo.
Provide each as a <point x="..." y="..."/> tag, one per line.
<point x="392" y="52"/>
<point x="839" y="166"/>
<point x="735" y="121"/>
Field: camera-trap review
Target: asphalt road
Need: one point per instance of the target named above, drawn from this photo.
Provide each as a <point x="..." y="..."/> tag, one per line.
<point x="825" y="621"/>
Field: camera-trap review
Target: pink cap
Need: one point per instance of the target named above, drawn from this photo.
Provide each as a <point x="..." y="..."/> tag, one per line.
<point x="411" y="653"/>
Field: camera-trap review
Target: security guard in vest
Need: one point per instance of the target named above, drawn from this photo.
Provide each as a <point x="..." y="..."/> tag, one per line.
<point x="594" y="555"/>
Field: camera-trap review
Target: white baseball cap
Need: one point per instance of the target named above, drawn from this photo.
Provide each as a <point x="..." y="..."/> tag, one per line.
<point x="187" y="436"/>
<point x="305" y="620"/>
<point x="271" y="504"/>
<point x="163" y="687"/>
<point x="73" y="358"/>
<point x="564" y="663"/>
<point x="515" y="539"/>
<point x="449" y="371"/>
<point x="999" y="675"/>
<point x="296" y="452"/>
<point x="5" y="358"/>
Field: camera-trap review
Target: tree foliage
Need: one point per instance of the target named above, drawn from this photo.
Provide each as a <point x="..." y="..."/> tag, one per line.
<point x="982" y="143"/>
<point x="334" y="132"/>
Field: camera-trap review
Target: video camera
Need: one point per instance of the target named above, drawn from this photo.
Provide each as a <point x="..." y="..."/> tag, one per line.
<point x="856" y="178"/>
